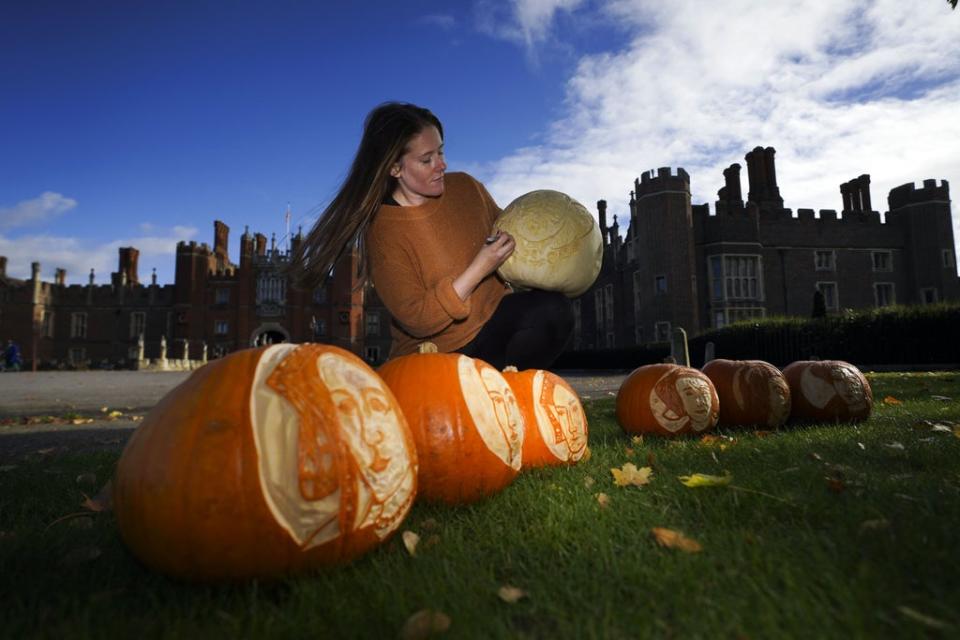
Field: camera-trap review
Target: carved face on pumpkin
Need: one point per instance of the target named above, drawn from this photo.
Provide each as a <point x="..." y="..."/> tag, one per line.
<point x="303" y="472"/>
<point x="560" y="418"/>
<point x="679" y="398"/>
<point x="759" y="381"/>
<point x="494" y="409"/>
<point x="844" y="382"/>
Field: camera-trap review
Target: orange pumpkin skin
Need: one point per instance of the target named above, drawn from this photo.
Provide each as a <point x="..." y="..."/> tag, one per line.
<point x="266" y="462"/>
<point x="667" y="400"/>
<point x="465" y="422"/>
<point x="555" y="424"/>
<point x="828" y="391"/>
<point x="751" y="392"/>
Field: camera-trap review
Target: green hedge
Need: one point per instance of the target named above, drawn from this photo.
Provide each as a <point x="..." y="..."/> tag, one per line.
<point x="903" y="335"/>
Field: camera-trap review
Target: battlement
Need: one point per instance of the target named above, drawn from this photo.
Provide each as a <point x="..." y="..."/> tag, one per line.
<point x="193" y="247"/>
<point x="908" y="194"/>
<point x="664" y="180"/>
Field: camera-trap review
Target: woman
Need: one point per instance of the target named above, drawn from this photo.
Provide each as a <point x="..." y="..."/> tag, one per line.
<point x="426" y="239"/>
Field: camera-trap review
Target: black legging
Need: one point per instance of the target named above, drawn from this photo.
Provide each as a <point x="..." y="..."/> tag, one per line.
<point x="528" y="330"/>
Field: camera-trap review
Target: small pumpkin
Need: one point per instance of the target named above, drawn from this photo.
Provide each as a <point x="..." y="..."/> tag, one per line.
<point x="751" y="392"/>
<point x="667" y="400"/>
<point x="556" y="425"/>
<point x="828" y="391"/>
<point x="465" y="421"/>
<point x="559" y="244"/>
<point x="266" y="462"/>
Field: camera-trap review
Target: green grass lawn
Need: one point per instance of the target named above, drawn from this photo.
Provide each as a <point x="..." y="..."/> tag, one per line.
<point x="827" y="531"/>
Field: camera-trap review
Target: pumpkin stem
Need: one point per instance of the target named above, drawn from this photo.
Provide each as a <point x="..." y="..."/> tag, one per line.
<point x="427" y="347"/>
<point x="510" y="369"/>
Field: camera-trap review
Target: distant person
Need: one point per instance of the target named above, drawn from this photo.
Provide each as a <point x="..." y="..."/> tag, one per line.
<point x="426" y="240"/>
<point x="11" y="357"/>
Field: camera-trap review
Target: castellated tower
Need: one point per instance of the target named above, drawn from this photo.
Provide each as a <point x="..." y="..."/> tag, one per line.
<point x="924" y="217"/>
<point x="665" y="282"/>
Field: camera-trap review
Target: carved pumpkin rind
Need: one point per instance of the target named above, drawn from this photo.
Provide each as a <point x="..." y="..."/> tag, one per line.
<point x="465" y="422"/>
<point x="556" y="429"/>
<point x="559" y="244"/>
<point x="189" y="496"/>
<point x="828" y="391"/>
<point x="751" y="392"/>
<point x="667" y="400"/>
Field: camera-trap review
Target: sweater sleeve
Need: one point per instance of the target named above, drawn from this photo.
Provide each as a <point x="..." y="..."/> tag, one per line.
<point x="421" y="310"/>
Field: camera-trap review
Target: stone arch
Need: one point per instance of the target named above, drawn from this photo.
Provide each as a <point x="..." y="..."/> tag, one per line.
<point x="269" y="333"/>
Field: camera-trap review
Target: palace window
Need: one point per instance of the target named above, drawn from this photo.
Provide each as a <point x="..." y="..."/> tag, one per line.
<point x="373" y="323"/>
<point x="271" y="288"/>
<point x="320" y="295"/>
<point x="222" y="296"/>
<point x="77" y="356"/>
<point x="598" y="308"/>
<point x="661" y="331"/>
<point x="884" y="294"/>
<point x="729" y="315"/>
<point x="78" y="325"/>
<point x="929" y="295"/>
<point x="660" y="284"/>
<point x="221" y="327"/>
<point x="882" y="260"/>
<point x="46" y="324"/>
<point x="736" y="277"/>
<point x="372" y="354"/>
<point x="829" y="291"/>
<point x="611" y="340"/>
<point x="319" y="327"/>
<point x="825" y="260"/>
<point x="138" y="323"/>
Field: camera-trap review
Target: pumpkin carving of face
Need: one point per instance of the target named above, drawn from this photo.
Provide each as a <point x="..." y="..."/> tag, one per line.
<point x="298" y="455"/>
<point x="751" y="392"/>
<point x="828" y="390"/>
<point x="666" y="399"/>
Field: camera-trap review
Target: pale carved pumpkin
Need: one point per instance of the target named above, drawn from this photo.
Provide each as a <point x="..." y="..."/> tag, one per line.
<point x="559" y="246"/>
<point x="667" y="400"/>
<point x="465" y="421"/>
<point x="828" y="391"/>
<point x="555" y="424"/>
<point x="751" y="392"/>
<point x="266" y="462"/>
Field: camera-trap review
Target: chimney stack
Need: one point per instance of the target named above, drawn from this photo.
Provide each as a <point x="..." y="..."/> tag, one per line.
<point x="60" y="277"/>
<point x="128" y="264"/>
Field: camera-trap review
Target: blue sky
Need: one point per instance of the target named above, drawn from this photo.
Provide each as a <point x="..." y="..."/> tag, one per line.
<point x="139" y="123"/>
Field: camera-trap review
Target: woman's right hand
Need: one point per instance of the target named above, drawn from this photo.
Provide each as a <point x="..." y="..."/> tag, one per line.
<point x="487" y="260"/>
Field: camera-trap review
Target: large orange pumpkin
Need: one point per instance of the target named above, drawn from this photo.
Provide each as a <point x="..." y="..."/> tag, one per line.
<point x="828" y="391"/>
<point x="751" y="392"/>
<point x="555" y="424"/>
<point x="266" y="462"/>
<point x="667" y="400"/>
<point x="465" y="421"/>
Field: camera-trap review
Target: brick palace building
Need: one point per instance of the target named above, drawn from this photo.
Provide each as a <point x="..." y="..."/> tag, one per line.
<point x="678" y="265"/>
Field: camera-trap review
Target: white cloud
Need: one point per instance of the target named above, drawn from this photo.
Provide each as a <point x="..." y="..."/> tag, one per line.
<point x="440" y="20"/>
<point x="523" y="22"/>
<point x="839" y="89"/>
<point x="78" y="256"/>
<point x="40" y="209"/>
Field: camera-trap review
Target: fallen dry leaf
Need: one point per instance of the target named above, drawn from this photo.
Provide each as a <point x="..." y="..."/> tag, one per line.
<point x="704" y="480"/>
<point x="432" y="539"/>
<point x="629" y="452"/>
<point x="837" y="485"/>
<point x="101" y="502"/>
<point x="637" y="441"/>
<point x="588" y="481"/>
<point x="891" y="400"/>
<point x="410" y="541"/>
<point x="510" y="594"/>
<point x="429" y="524"/>
<point x="709" y="439"/>
<point x="81" y="421"/>
<point x="874" y="525"/>
<point x="424" y="623"/>
<point x="113" y="415"/>
<point x="630" y="475"/>
<point x="675" y="540"/>
<point x="603" y="500"/>
<point x="587" y="454"/>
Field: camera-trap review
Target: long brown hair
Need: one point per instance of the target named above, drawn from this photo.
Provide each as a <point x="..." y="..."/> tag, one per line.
<point x="387" y="131"/>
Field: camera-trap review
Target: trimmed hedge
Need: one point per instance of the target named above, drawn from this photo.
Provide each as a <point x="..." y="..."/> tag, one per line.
<point x="900" y="335"/>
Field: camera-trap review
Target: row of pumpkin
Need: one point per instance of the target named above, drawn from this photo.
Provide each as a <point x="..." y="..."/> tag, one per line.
<point x="293" y="457"/>
<point x="671" y="400"/>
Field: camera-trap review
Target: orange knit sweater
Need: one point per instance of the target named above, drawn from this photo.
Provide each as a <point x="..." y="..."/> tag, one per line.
<point x="416" y="253"/>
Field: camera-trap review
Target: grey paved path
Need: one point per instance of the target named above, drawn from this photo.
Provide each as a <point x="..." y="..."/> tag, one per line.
<point x="55" y="393"/>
